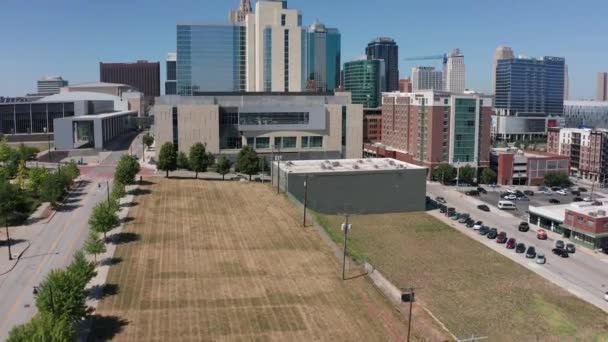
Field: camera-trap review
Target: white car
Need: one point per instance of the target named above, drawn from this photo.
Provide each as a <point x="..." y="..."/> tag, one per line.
<point x="477" y="227"/>
<point x="561" y="192"/>
<point x="546" y="192"/>
<point x="587" y="199"/>
<point x="510" y="197"/>
<point x="606" y="296"/>
<point x="512" y="191"/>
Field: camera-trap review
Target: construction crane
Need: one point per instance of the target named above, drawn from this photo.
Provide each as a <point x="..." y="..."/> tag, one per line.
<point x="443" y="57"/>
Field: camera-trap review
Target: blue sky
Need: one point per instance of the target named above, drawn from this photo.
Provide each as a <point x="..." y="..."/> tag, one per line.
<point x="70" y="37"/>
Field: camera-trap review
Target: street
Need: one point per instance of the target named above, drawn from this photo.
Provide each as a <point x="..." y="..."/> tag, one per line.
<point x="53" y="244"/>
<point x="584" y="273"/>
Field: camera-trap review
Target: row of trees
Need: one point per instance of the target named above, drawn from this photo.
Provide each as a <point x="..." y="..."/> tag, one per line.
<point x="198" y="160"/>
<point x="447" y="173"/>
<point x="61" y="298"/>
<point x="11" y="158"/>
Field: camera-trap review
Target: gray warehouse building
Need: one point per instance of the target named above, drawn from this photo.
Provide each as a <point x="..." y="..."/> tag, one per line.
<point x="354" y="186"/>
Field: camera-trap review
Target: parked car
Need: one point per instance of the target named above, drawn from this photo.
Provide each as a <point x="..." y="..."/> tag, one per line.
<point x="531" y="252"/>
<point x="570" y="248"/>
<point x="581" y="189"/>
<point x="483" y="207"/>
<point x="556" y="188"/>
<point x="577" y="199"/>
<point x="463" y="218"/>
<point x="455" y="216"/>
<point x="541" y="234"/>
<point x="559" y="244"/>
<point x="606" y="296"/>
<point x="587" y="199"/>
<point x="575" y="192"/>
<point x="484" y="230"/>
<point x="450" y="212"/>
<point x="477" y="225"/>
<point x="470" y="224"/>
<point x="529" y="192"/>
<point x="501" y="238"/>
<point x="546" y="192"/>
<point x="520" y="248"/>
<point x="540" y="259"/>
<point x="561" y="192"/>
<point x="554" y="201"/>
<point x="523" y="198"/>
<point x="472" y="193"/>
<point x="492" y="233"/>
<point x="510" y="197"/>
<point x="511" y="243"/>
<point x="440" y="200"/>
<point x="482" y="190"/>
<point x="560" y="252"/>
<point x="523" y="227"/>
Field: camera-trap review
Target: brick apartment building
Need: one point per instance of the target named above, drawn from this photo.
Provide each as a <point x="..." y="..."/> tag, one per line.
<point x="588" y="226"/>
<point x="372" y="125"/>
<point x="586" y="148"/>
<point x="516" y="167"/>
<point x="143" y="75"/>
<point x="427" y="128"/>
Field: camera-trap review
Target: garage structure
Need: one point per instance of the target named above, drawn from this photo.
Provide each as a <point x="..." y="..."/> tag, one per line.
<point x="353" y="186"/>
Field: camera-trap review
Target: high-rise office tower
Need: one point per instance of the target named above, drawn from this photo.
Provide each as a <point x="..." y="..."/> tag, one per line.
<point x="239" y="15"/>
<point x="566" y="83"/>
<point x="502" y="52"/>
<point x="322" y="57"/>
<point x="50" y="85"/>
<point x="527" y="92"/>
<point x="365" y="79"/>
<point x="454" y="72"/>
<point x="275" y="48"/>
<point x="386" y="49"/>
<point x="426" y="78"/>
<point x="602" y="86"/>
<point x="171" y="79"/>
<point x="142" y="75"/>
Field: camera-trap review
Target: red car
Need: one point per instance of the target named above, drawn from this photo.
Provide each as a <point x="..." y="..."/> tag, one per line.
<point x="511" y="243"/>
<point x="501" y="238"/>
<point x="541" y="234"/>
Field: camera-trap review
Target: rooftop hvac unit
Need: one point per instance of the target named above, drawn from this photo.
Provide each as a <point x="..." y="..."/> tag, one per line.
<point x="376" y="166"/>
<point x="400" y="166"/>
<point x="335" y="164"/>
<point x="327" y="161"/>
<point x="323" y="167"/>
<point x="601" y="213"/>
<point x="369" y="160"/>
<point x="593" y="213"/>
<point x="360" y="161"/>
<point x="391" y="162"/>
<point x="355" y="166"/>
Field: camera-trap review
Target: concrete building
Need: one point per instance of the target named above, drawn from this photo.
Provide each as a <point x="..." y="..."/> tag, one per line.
<point x="455" y="72"/>
<point x="586" y="114"/>
<point x="432" y="127"/>
<point x="602" y="86"/>
<point x="517" y="167"/>
<point x="405" y="85"/>
<point x="275" y="48"/>
<point x="50" y="85"/>
<point x="132" y="98"/>
<point x="323" y="46"/>
<point x="171" y="79"/>
<point x="529" y="92"/>
<point x="141" y="75"/>
<point x="502" y="52"/>
<point x="372" y="125"/>
<point x="426" y="78"/>
<point x="300" y="125"/>
<point x="586" y="148"/>
<point x="239" y="15"/>
<point x="365" y="79"/>
<point x="385" y="48"/>
<point x="354" y="186"/>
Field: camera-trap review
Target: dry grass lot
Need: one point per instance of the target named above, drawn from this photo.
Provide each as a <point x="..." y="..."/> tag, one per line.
<point x="227" y="261"/>
<point x="471" y="288"/>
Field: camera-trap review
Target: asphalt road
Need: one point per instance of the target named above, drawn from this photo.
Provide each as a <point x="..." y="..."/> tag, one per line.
<point x="52" y="245"/>
<point x="584" y="274"/>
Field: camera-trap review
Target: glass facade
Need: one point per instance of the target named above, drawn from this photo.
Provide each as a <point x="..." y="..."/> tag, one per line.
<point x="323" y="48"/>
<point x="268" y="59"/>
<point x="210" y="57"/>
<point x="530" y="86"/>
<point x="387" y="50"/>
<point x="589" y="114"/>
<point x="363" y="79"/>
<point x="32" y="118"/>
<point x="465" y="137"/>
<point x="312" y="142"/>
<point x="274" y="118"/>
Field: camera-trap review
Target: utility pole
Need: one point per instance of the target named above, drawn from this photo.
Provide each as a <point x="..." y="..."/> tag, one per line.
<point x="345" y="227"/>
<point x="305" y="199"/>
<point x="408" y="296"/>
<point x="8" y="239"/>
<point x="108" y="190"/>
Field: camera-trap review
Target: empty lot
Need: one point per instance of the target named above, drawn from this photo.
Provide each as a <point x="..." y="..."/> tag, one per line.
<point x="229" y="261"/>
<point x="469" y="287"/>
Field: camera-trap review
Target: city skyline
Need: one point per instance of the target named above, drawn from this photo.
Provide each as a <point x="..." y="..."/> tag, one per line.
<point x="88" y="39"/>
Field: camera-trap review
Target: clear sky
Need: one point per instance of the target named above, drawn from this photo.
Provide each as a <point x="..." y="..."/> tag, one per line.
<point x="70" y="37"/>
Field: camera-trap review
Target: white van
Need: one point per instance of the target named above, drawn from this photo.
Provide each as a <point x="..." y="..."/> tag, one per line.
<point x="506" y="205"/>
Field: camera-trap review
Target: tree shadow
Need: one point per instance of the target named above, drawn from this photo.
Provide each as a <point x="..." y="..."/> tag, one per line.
<point x="126" y="220"/>
<point x="71" y="200"/>
<point x="103" y="291"/>
<point x="13" y="242"/>
<point x="105" y="328"/>
<point x="128" y="204"/>
<point x="356" y="276"/>
<point x="67" y="207"/>
<point x="145" y="182"/>
<point x="111" y="261"/>
<point x="125" y="237"/>
<point x="140" y="192"/>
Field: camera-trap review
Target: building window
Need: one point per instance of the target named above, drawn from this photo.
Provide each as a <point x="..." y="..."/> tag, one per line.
<point x="263" y="142"/>
<point x="277" y="118"/>
<point x="286" y="61"/>
<point x="299" y="20"/>
<point x="283" y="19"/>
<point x="580" y="219"/>
<point x="250" y="141"/>
<point x="570" y="217"/>
<point x="175" y="128"/>
<point x="268" y="59"/>
<point x="312" y="142"/>
<point x="288" y="142"/>
<point x="590" y="223"/>
<point x="343" y="126"/>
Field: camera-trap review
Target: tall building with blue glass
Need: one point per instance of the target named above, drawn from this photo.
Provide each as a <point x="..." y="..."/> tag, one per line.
<point x="323" y="57"/>
<point x="210" y="57"/>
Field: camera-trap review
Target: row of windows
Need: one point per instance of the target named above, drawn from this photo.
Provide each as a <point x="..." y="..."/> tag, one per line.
<point x="32" y="118"/>
<point x="276" y="118"/>
<point x="280" y="142"/>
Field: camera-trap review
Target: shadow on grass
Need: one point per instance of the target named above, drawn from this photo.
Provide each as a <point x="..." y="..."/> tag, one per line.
<point x="103" y="291"/>
<point x="105" y="328"/>
<point x="125" y="237"/>
<point x="127" y="220"/>
<point x="140" y="192"/>
<point x="128" y="205"/>
<point x="145" y="182"/>
<point x="111" y="261"/>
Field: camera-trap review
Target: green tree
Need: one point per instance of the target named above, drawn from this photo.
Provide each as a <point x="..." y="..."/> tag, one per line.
<point x="22" y="174"/>
<point x="27" y="152"/>
<point x="71" y="170"/>
<point x="94" y="245"/>
<point x="247" y="161"/>
<point x="126" y="170"/>
<point x="223" y="166"/>
<point x="488" y="176"/>
<point x="36" y="176"/>
<point x="43" y="328"/>
<point x="148" y="140"/>
<point x="104" y="218"/>
<point x="52" y="188"/>
<point x="3" y="173"/>
<point x="167" y="158"/>
<point x="12" y="202"/>
<point x="466" y="174"/>
<point x="5" y="149"/>
<point x="199" y="159"/>
<point x="62" y="295"/>
<point x="557" y="178"/>
<point x="182" y="161"/>
<point x="118" y="191"/>
<point x="444" y="172"/>
<point x="82" y="268"/>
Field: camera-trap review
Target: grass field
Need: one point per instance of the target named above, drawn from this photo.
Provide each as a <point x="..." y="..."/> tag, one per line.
<point x="228" y="261"/>
<point x="469" y="287"/>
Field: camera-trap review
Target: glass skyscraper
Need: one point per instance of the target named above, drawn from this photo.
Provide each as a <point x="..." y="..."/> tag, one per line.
<point x="530" y="87"/>
<point x="210" y="57"/>
<point x="365" y="80"/>
<point x="386" y="49"/>
<point x="323" y="57"/>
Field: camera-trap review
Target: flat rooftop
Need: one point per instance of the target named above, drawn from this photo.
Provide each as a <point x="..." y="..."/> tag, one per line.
<point x="345" y="165"/>
<point x="558" y="212"/>
<point x="524" y="153"/>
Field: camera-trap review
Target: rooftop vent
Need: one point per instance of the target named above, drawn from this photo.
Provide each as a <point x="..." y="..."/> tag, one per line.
<point x="335" y="164"/>
<point x="601" y="213"/>
<point x="369" y="160"/>
<point x="392" y="162"/>
<point x="360" y="161"/>
<point x="593" y="213"/>
<point x="376" y="166"/>
<point x="323" y="167"/>
<point x="355" y="166"/>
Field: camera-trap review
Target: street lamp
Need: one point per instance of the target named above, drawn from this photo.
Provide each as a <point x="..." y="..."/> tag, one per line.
<point x="49" y="140"/>
<point x="345" y="228"/>
<point x="305" y="199"/>
<point x="408" y="297"/>
<point x="8" y="239"/>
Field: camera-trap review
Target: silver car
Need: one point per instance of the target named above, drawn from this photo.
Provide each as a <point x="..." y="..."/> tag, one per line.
<point x="540" y="259"/>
